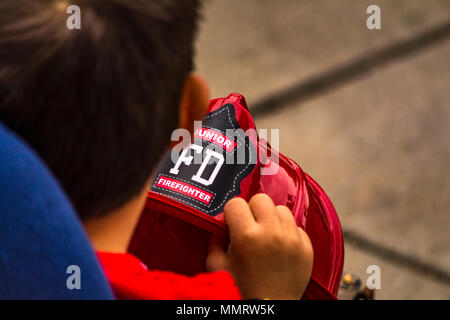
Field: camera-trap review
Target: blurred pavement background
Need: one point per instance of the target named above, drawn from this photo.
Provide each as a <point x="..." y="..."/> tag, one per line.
<point x="364" y="112"/>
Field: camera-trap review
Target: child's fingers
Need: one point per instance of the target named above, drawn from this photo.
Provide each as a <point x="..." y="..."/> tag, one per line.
<point x="238" y="216"/>
<point x="264" y="210"/>
<point x="306" y="241"/>
<point x="217" y="254"/>
<point x="287" y="219"/>
<point x="289" y="225"/>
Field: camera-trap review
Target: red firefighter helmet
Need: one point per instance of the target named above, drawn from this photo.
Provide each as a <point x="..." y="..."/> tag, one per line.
<point x="226" y="159"/>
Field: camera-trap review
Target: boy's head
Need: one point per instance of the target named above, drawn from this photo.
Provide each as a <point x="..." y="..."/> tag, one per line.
<point x="98" y="104"/>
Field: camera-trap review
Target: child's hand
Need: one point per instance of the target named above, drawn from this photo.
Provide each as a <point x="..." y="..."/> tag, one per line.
<point x="268" y="255"/>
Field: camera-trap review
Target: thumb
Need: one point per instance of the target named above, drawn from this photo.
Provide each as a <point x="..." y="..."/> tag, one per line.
<point x="217" y="254"/>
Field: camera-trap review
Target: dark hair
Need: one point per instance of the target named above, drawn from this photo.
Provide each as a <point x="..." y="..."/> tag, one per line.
<point x="97" y="104"/>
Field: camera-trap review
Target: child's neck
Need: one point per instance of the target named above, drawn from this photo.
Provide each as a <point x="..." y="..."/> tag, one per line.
<point x="112" y="232"/>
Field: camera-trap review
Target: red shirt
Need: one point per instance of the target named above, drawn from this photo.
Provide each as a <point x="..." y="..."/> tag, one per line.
<point x="130" y="279"/>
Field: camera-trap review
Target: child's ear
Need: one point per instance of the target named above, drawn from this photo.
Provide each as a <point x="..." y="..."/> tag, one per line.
<point x="194" y="101"/>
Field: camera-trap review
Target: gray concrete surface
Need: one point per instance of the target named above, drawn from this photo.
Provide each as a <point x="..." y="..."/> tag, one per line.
<point x="258" y="46"/>
<point x="396" y="282"/>
<point x="379" y="145"/>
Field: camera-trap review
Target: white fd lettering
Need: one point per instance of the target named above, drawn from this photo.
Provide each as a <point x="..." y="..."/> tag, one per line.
<point x="198" y="176"/>
<point x="187" y="160"/>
